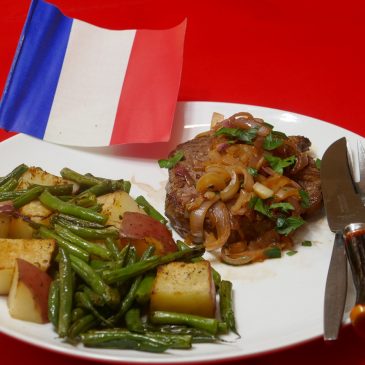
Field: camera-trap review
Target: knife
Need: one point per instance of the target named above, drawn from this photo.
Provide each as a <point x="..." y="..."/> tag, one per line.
<point x="344" y="211"/>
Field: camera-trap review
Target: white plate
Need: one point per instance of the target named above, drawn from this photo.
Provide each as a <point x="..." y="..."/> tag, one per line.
<point x="278" y="303"/>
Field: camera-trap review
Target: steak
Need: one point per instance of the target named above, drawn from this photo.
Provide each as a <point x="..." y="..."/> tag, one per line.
<point x="181" y="191"/>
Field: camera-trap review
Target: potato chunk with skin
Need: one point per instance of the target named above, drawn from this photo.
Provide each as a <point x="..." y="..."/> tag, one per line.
<point x="36" y="175"/>
<point x="36" y="211"/>
<point x="36" y="251"/>
<point x="185" y="288"/>
<point x="116" y="204"/>
<point x="28" y="296"/>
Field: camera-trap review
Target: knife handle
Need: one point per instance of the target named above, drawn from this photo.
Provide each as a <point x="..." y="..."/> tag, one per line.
<point x="355" y="249"/>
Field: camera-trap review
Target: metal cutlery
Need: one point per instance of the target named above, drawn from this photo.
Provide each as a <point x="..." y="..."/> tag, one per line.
<point x="345" y="216"/>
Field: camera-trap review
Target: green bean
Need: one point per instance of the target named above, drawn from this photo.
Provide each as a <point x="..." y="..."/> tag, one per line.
<point x="89" y="233"/>
<point x="89" y="275"/>
<point x="96" y="299"/>
<point x="14" y="174"/>
<point x="225" y="303"/>
<point x="150" y="210"/>
<point x="65" y="219"/>
<point x="63" y="189"/>
<point x="122" y="339"/>
<point x="198" y="335"/>
<point x="77" y="313"/>
<point x="113" y="248"/>
<point x="90" y="247"/>
<point x="131" y="256"/>
<point x="120" y="275"/>
<point x="56" y="204"/>
<point x="9" y="185"/>
<point x="86" y="201"/>
<point x="98" y="189"/>
<point x="70" y="174"/>
<point x="66" y="293"/>
<point x="207" y="324"/>
<point x="129" y="298"/>
<point x="28" y="196"/>
<point x="119" y="184"/>
<point x="133" y="320"/>
<point x="216" y="276"/>
<point x="54" y="302"/>
<point x="82" y="299"/>
<point x="82" y="324"/>
<point x="64" y="244"/>
<point x="11" y="195"/>
<point x="144" y="290"/>
<point x="174" y="341"/>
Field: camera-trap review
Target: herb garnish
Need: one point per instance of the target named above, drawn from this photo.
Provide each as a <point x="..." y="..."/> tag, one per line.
<point x="291" y="253"/>
<point x="278" y="164"/>
<point x="271" y="142"/>
<point x="252" y="171"/>
<point x="247" y="135"/>
<point x="286" y="226"/>
<point x="307" y="243"/>
<point x="172" y="161"/>
<point x="283" y="206"/>
<point x="305" y="203"/>
<point x="273" y="252"/>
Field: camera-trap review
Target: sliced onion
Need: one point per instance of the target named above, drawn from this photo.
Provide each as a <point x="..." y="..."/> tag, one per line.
<point x="276" y="182"/>
<point x="248" y="180"/>
<point x="196" y="220"/>
<point x="243" y="198"/>
<point x="285" y="192"/>
<point x="219" y="169"/>
<point x="221" y="218"/>
<point x="262" y="191"/>
<point x="243" y="257"/>
<point x="231" y="189"/>
<point x="264" y="130"/>
<point x="211" y="180"/>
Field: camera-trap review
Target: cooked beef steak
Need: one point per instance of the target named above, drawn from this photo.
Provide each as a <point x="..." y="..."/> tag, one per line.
<point x="180" y="189"/>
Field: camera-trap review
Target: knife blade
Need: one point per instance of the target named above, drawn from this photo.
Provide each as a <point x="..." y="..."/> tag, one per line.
<point x="336" y="289"/>
<point x="343" y="208"/>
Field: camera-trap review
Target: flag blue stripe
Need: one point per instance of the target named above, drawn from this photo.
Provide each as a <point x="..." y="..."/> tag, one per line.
<point x="32" y="82"/>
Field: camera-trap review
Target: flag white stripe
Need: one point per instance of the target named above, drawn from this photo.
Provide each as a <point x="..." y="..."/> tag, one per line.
<point x="89" y="86"/>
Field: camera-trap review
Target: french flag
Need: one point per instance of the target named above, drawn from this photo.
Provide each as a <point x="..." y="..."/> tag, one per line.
<point x="77" y="84"/>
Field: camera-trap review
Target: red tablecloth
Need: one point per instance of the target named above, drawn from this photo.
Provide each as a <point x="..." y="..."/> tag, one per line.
<point x="306" y="57"/>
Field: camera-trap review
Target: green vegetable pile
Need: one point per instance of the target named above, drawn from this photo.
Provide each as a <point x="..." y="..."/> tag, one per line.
<point x="100" y="293"/>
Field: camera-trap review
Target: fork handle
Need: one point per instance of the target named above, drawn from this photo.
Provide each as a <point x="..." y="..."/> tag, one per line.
<point x="355" y="250"/>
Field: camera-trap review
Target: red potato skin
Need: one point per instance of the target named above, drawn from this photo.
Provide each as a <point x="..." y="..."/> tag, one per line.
<point x="38" y="282"/>
<point x="137" y="226"/>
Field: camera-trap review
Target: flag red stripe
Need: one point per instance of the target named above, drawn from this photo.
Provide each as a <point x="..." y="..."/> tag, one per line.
<point x="151" y="85"/>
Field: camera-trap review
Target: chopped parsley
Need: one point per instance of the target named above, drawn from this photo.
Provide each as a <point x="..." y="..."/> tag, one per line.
<point x="272" y="141"/>
<point x="273" y="252"/>
<point x="252" y="171"/>
<point x="305" y="203"/>
<point x="258" y="205"/>
<point x="172" y="161"/>
<point x="278" y="164"/>
<point x="291" y="253"/>
<point x="283" y="206"/>
<point x="307" y="243"/>
<point x="288" y="225"/>
<point x="247" y="135"/>
<point x="318" y="163"/>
